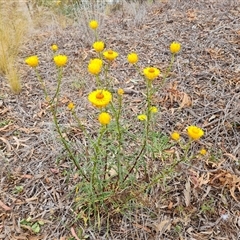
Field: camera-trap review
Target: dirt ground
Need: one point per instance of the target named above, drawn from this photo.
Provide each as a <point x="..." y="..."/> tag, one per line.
<point x="203" y="89"/>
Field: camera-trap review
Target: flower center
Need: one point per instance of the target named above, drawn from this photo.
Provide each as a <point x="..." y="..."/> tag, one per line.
<point x="151" y="70"/>
<point x="110" y="52"/>
<point x="99" y="96"/>
<point x="195" y="130"/>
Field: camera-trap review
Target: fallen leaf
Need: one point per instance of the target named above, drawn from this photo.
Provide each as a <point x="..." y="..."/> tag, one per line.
<point x="36" y="237"/>
<point x="74" y="233"/>
<point x="170" y="205"/>
<point x="54" y="170"/>
<point x="232" y="191"/>
<point x="163" y="226"/>
<point x="142" y="227"/>
<point x="187" y="193"/>
<point x="27" y="176"/>
<point x="9" y="148"/>
<point x="4" y="206"/>
<point x="186" y="101"/>
<point x="191" y="15"/>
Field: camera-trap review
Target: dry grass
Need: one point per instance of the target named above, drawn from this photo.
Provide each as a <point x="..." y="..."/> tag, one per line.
<point x="12" y="33"/>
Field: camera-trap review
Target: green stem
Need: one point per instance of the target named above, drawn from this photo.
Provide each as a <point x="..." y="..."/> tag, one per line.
<point x="98" y="80"/>
<point x="117" y="116"/>
<point x="96" y="155"/>
<point x="166" y="74"/>
<point x="79" y="123"/>
<point x="119" y="137"/>
<point x="149" y="95"/>
<point x="162" y="174"/>
<point x="168" y="70"/>
<point x="75" y="161"/>
<point x="186" y="150"/>
<point x="59" y="81"/>
<point x="106" y="68"/>
<point x="96" y="35"/>
<point x="42" y="83"/>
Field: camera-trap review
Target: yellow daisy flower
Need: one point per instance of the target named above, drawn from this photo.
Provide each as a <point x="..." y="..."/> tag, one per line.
<point x="98" y="46"/>
<point x="175" y="136"/>
<point x="54" y="47"/>
<point x="175" y="47"/>
<point x="151" y="73"/>
<point x="71" y="106"/>
<point x="110" y="55"/>
<point x="104" y="118"/>
<point x="95" y="66"/>
<point x="203" y="151"/>
<point x="132" y="58"/>
<point x="194" y="132"/>
<point x="60" y="60"/>
<point x="142" y="117"/>
<point x="32" y="61"/>
<point x="100" y="98"/>
<point x="120" y="91"/>
<point x="93" y="24"/>
<point x="153" y="109"/>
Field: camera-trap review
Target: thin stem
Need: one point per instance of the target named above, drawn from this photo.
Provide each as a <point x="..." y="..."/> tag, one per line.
<point x="98" y="80"/>
<point x="96" y="154"/>
<point x="119" y="137"/>
<point x="42" y="83"/>
<point x="80" y="124"/>
<point x="166" y="74"/>
<point x="96" y="35"/>
<point x="75" y="161"/>
<point x="136" y="160"/>
<point x="59" y="81"/>
<point x="186" y="149"/>
<point x="162" y="173"/>
<point x="149" y="95"/>
<point x="106" y="68"/>
<point x="117" y="116"/>
<point x="168" y="70"/>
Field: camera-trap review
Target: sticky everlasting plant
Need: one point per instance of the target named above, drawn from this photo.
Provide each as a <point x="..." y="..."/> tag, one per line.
<point x="112" y="165"/>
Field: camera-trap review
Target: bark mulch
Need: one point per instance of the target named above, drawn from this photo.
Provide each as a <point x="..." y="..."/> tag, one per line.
<point x="202" y="200"/>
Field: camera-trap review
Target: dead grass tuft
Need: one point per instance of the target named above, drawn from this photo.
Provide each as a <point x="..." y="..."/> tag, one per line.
<point x="12" y="33"/>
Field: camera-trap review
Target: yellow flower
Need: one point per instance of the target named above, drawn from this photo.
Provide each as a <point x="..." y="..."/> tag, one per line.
<point x="71" y="106"/>
<point x="175" y="47"/>
<point x="195" y="132"/>
<point x="100" y="98"/>
<point x="54" y="47"/>
<point x="98" y="46"/>
<point x="110" y="55"/>
<point x="120" y="91"/>
<point x="104" y="118"/>
<point x="93" y="24"/>
<point x="32" y="61"/>
<point x="95" y="66"/>
<point x="142" y="117"/>
<point x="153" y="109"/>
<point x="60" y="60"/>
<point x="151" y="73"/>
<point x="175" y="136"/>
<point x="132" y="58"/>
<point x="203" y="151"/>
